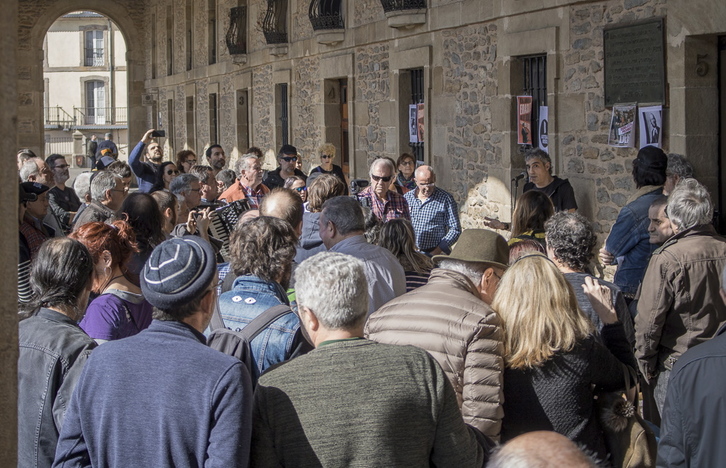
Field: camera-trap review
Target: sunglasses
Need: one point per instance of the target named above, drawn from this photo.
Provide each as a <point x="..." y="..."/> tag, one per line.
<point x="326" y="156"/>
<point x="301" y="189"/>
<point x="62" y="166"/>
<point x="289" y="158"/>
<point x="170" y="172"/>
<point x="379" y="178"/>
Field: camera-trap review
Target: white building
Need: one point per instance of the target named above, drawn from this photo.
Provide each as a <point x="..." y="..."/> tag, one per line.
<point x="84" y="71"/>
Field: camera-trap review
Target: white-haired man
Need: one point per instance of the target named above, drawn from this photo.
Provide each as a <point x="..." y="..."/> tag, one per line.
<point x="386" y="204"/>
<point x="249" y="182"/>
<point x="434" y="214"/>
<point x="679" y="304"/>
<point x="354" y="402"/>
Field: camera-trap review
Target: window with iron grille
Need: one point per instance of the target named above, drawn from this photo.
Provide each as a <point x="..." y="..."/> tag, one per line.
<point x="237" y="33"/>
<point x="189" y="44"/>
<point x="169" y="41"/>
<point x="401" y="5"/>
<point x="417" y="97"/>
<point x="274" y="24"/>
<point x="94" y="48"/>
<point x="534" y="81"/>
<point x="213" y="119"/>
<point x="283" y="114"/>
<point x="326" y="14"/>
<point x="212" y="30"/>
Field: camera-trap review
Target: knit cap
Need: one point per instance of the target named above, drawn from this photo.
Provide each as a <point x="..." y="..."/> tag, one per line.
<point x="178" y="271"/>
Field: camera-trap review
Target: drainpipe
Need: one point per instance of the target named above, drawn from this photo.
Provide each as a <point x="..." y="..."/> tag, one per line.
<point x="111" y="80"/>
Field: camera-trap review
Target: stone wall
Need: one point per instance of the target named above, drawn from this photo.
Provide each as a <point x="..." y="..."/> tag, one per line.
<point x="263" y="92"/>
<point x="367" y="11"/>
<point x="307" y="99"/>
<point x="372" y="89"/>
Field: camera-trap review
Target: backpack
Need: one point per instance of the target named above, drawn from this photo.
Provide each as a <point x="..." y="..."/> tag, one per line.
<point x="237" y="343"/>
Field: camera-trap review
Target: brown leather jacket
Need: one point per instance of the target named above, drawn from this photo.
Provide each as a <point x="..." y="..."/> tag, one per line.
<point x="446" y="318"/>
<point x="679" y="304"/>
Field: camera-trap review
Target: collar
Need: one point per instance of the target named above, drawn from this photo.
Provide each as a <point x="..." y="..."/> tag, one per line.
<point x="699" y="230"/>
<point x="55" y="316"/>
<point x="277" y="287"/>
<point x="642" y="191"/>
<point x="356" y="239"/>
<point x="459" y="280"/>
<point x="177" y="328"/>
<point x="324" y="343"/>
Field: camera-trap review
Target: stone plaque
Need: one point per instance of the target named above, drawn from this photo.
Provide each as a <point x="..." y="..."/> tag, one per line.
<point x="635" y="63"/>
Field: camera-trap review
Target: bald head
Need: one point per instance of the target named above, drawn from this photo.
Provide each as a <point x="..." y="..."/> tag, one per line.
<point x="540" y="449"/>
<point x="284" y="204"/>
<point x="424" y="172"/>
<point x="425" y="181"/>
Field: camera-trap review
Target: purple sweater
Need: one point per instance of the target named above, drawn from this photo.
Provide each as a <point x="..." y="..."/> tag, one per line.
<point x="116" y="315"/>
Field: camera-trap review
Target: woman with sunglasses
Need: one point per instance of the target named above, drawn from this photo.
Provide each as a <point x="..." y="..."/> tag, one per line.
<point x="167" y="173"/>
<point x="297" y="184"/>
<point x="327" y="154"/>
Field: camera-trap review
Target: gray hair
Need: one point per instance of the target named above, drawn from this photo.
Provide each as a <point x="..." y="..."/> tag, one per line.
<point x="571" y="238"/>
<point x="334" y="286"/>
<point x="689" y="205"/>
<point x="182" y="184"/>
<point x="345" y="213"/>
<point x="29" y="168"/>
<point x="472" y="270"/>
<point x="82" y="185"/>
<point x="102" y="182"/>
<point x="678" y="165"/>
<point x="539" y="154"/>
<point x="386" y="162"/>
<point x="243" y="164"/>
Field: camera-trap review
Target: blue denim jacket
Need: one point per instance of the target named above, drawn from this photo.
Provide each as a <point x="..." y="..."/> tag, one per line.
<point x="629" y="241"/>
<point x="248" y="298"/>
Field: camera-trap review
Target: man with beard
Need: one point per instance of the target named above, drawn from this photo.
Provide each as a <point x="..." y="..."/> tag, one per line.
<point x="63" y="200"/>
<point x="216" y="158"/>
<point x="146" y="171"/>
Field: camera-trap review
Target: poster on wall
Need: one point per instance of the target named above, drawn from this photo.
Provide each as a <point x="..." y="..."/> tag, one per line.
<point x="524" y="119"/>
<point x="420" y="122"/>
<point x="651" y="119"/>
<point x="413" y="123"/>
<point x="622" y="126"/>
<point x="542" y="133"/>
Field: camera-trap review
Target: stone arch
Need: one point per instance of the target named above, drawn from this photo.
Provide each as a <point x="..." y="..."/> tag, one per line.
<point x="34" y="21"/>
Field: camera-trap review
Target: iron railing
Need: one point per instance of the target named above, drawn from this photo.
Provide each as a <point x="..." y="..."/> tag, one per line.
<point x="57" y="116"/>
<point x="94" y="58"/>
<point x="401" y="5"/>
<point x="100" y="115"/>
<point x="274" y="25"/>
<point x="237" y="33"/>
<point x="59" y="145"/>
<point x="326" y="14"/>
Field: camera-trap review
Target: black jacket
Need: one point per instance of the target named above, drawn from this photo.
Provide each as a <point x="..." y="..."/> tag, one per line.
<point x="53" y="350"/>
<point x="694" y="415"/>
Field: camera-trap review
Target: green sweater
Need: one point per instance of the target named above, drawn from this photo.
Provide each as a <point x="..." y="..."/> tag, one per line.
<point x="360" y="403"/>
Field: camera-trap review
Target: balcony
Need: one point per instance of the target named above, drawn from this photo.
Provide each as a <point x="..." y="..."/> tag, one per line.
<point x="100" y="116"/>
<point x="57" y="118"/>
<point x="236" y="37"/>
<point x="327" y="21"/>
<point x="404" y="14"/>
<point x="274" y="26"/>
<point x="94" y="58"/>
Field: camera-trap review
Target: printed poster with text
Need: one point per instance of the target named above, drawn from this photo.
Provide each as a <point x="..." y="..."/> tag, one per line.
<point x="622" y="126"/>
<point x="543" y="129"/>
<point x="651" y="121"/>
<point x="412" y="123"/>
<point x="524" y="113"/>
<point x="420" y="121"/>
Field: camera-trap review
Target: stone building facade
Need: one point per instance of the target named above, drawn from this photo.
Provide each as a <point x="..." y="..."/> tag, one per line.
<point x="470" y="54"/>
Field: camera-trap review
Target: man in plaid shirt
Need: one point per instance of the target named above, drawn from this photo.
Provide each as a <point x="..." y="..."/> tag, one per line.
<point x="434" y="214"/>
<point x="386" y="204"/>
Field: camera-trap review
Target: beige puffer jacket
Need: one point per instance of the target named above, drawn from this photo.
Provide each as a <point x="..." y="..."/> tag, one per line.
<point x="447" y="318"/>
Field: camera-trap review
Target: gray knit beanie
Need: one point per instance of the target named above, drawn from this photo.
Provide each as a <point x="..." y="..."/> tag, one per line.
<point x="178" y="271"/>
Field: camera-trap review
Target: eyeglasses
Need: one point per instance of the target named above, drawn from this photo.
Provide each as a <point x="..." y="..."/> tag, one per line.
<point x="170" y="172"/>
<point x="426" y="185"/>
<point x="62" y="166"/>
<point x="190" y="161"/>
<point x="379" y="178"/>
<point x="407" y="163"/>
<point x="289" y="158"/>
<point x="301" y="189"/>
<point x="495" y="274"/>
<point x="326" y="156"/>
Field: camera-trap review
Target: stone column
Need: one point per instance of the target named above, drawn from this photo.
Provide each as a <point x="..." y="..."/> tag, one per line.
<point x="8" y="231"/>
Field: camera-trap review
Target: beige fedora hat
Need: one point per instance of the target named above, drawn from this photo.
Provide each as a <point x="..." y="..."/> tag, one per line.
<point x="481" y="246"/>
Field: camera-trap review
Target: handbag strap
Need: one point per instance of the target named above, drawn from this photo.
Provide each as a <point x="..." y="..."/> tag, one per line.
<point x="631" y="391"/>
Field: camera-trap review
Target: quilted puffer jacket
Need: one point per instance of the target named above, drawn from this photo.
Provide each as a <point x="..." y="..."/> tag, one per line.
<point x="447" y="318"/>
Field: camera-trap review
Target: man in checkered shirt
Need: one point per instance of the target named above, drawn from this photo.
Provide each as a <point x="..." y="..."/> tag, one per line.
<point x="434" y="214"/>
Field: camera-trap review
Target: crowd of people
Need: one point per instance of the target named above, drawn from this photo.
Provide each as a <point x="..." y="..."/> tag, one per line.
<point x="385" y="335"/>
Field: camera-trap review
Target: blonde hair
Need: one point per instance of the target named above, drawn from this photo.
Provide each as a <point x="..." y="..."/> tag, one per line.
<point x="539" y="311"/>
<point x="327" y="148"/>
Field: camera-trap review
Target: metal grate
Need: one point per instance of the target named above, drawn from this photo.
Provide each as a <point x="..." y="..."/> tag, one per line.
<point x="326" y="14"/>
<point x="417" y="97"/>
<point x="401" y="5"/>
<point x="535" y="85"/>
<point x="237" y="33"/>
<point x="274" y="25"/>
